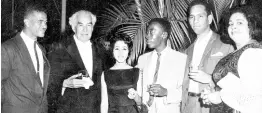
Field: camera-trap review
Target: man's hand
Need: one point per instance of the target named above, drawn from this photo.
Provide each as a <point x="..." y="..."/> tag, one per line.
<point x="71" y="82"/>
<point x="157" y="90"/>
<point x="200" y="76"/>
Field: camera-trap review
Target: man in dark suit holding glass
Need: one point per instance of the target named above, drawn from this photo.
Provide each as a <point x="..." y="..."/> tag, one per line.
<point x="76" y="54"/>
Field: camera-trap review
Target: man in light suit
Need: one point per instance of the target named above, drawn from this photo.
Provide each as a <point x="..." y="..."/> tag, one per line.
<point x="162" y="71"/>
<point x="25" y="69"/>
<point x="203" y="56"/>
<point x="69" y="93"/>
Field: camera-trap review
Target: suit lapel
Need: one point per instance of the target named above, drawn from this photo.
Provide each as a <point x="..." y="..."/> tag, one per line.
<point x="46" y="72"/>
<point x="94" y="61"/>
<point x="190" y="53"/>
<point x="206" y="53"/>
<point x="24" y="53"/>
<point x="208" y="49"/>
<point x="74" y="52"/>
<point x="26" y="57"/>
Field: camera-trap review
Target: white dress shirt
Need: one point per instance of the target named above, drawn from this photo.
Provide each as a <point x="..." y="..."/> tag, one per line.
<point x="154" y="62"/>
<point x="30" y="47"/>
<point x="157" y="102"/>
<point x="85" y="51"/>
<point x="199" y="48"/>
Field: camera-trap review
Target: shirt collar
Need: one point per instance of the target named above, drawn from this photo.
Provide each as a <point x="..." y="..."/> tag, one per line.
<point x="164" y="51"/>
<point x="27" y="39"/>
<point x="88" y="43"/>
<point x="206" y="38"/>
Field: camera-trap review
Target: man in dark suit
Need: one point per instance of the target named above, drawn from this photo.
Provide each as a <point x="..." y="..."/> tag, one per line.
<point x="67" y="91"/>
<point x="25" y="69"/>
<point x="203" y="56"/>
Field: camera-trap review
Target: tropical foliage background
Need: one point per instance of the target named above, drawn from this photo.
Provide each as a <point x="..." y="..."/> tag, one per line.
<point x="132" y="16"/>
<point x="127" y="17"/>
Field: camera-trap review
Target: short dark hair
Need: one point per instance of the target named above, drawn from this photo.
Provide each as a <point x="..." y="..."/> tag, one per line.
<point x="165" y="24"/>
<point x="253" y="18"/>
<point x="200" y="2"/>
<point x="121" y="37"/>
<point x="31" y="8"/>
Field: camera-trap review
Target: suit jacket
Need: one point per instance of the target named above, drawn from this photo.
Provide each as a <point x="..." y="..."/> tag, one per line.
<point x="66" y="61"/>
<point x="170" y="76"/>
<point x="214" y="51"/>
<point x="22" y="90"/>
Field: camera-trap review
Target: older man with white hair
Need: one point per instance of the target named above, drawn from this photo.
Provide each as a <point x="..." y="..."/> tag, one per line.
<point x="77" y="68"/>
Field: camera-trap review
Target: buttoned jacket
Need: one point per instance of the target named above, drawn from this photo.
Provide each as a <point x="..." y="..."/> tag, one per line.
<point x="22" y="90"/>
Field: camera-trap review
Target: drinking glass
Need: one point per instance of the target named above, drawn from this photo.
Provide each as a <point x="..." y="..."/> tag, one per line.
<point x="193" y="69"/>
<point x="83" y="73"/>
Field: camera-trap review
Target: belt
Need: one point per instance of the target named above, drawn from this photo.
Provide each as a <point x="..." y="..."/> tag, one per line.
<point x="194" y="94"/>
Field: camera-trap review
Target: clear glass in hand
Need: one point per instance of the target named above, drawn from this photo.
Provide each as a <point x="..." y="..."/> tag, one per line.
<point x="193" y="69"/>
<point x="149" y="86"/>
<point x="83" y="73"/>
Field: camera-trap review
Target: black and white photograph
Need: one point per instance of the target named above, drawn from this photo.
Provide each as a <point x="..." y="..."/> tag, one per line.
<point x="131" y="56"/>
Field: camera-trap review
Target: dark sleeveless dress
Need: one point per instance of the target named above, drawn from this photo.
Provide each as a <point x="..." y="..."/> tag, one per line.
<point x="225" y="65"/>
<point x="118" y="82"/>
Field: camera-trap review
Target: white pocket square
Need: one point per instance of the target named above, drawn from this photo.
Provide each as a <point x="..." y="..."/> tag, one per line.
<point x="217" y="54"/>
<point x="88" y="82"/>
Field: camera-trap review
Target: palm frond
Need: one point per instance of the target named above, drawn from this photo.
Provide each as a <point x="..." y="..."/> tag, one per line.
<point x="134" y="23"/>
<point x="220" y="6"/>
<point x="114" y="16"/>
<point x="179" y="36"/>
<point x="135" y="27"/>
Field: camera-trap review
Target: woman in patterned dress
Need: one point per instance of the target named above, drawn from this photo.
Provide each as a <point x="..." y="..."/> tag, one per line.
<point x="119" y="81"/>
<point x="238" y="76"/>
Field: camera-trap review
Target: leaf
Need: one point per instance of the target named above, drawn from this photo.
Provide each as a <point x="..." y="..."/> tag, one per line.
<point x="133" y="24"/>
<point x="175" y="11"/>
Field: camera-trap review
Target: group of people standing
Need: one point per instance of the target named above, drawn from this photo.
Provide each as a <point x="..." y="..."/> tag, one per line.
<point x="209" y="77"/>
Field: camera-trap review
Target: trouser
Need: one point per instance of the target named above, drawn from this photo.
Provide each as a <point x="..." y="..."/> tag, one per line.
<point x="194" y="105"/>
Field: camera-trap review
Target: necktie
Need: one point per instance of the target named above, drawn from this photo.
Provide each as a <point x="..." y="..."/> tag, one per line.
<point x="37" y="60"/>
<point x="151" y="98"/>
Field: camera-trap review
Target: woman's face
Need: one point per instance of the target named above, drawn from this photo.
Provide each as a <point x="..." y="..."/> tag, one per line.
<point x="120" y="51"/>
<point x="238" y="29"/>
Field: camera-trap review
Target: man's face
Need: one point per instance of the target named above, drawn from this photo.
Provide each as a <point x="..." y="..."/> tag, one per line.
<point x="84" y="27"/>
<point x="199" y="20"/>
<point x="154" y="35"/>
<point x="36" y="24"/>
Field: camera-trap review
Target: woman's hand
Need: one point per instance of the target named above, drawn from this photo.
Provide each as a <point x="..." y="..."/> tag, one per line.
<point x="209" y="97"/>
<point x="132" y="93"/>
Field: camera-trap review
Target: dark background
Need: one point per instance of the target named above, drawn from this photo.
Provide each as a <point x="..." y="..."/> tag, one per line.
<point x="54" y="9"/>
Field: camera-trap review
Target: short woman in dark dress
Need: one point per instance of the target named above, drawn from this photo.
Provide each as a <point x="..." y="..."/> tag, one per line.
<point x="118" y="81"/>
<point x="238" y="77"/>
